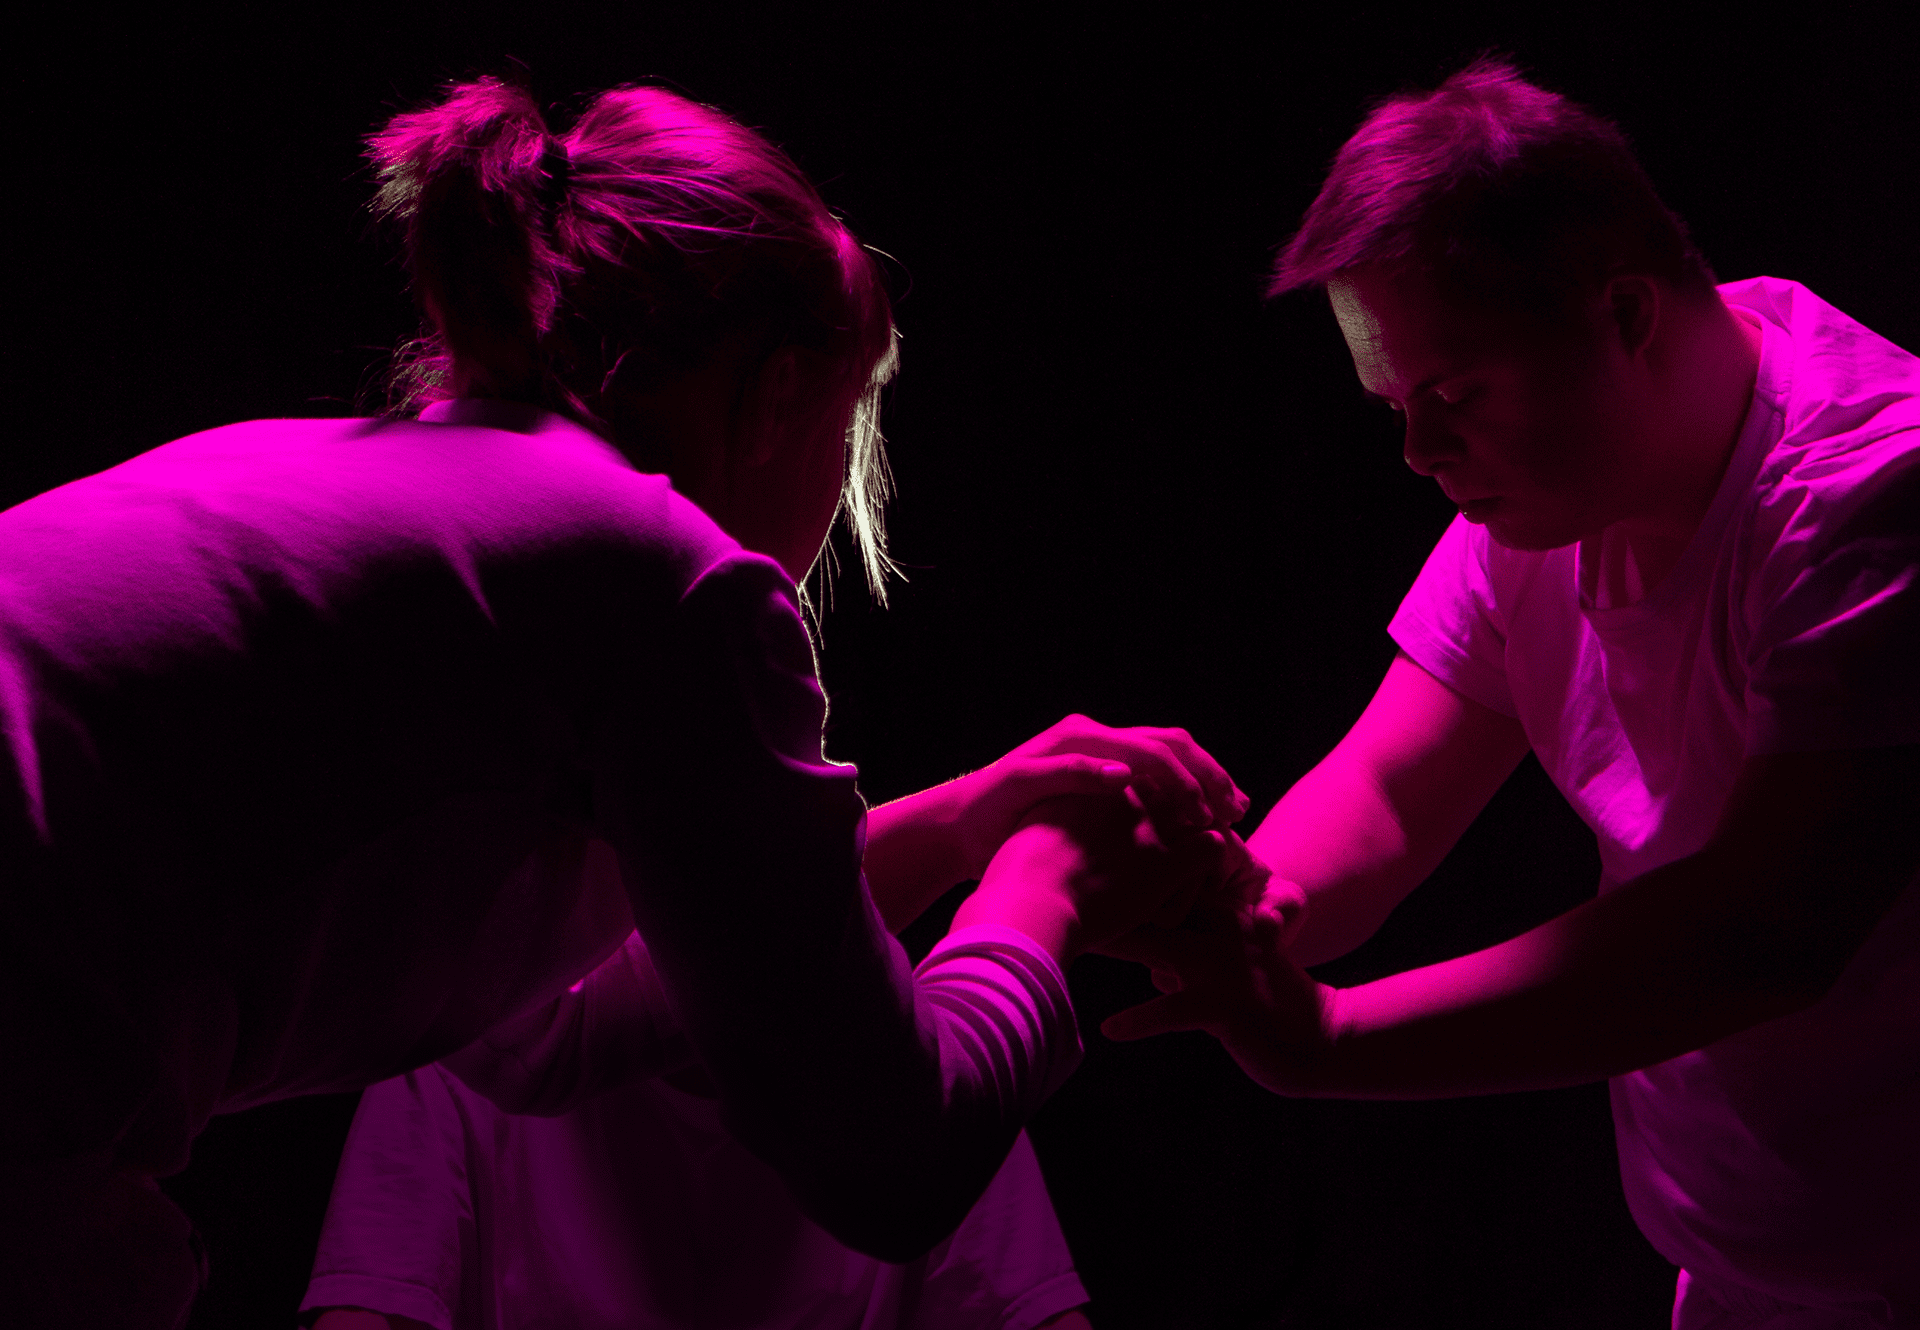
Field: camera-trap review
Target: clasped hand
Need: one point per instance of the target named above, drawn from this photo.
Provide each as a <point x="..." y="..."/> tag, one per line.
<point x="1116" y="841"/>
<point x="1194" y="905"/>
<point x="1167" y="773"/>
<point x="1223" y="968"/>
<point x="1084" y="831"/>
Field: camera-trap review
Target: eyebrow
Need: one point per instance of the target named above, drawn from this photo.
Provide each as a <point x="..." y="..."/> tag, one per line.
<point x="1430" y="381"/>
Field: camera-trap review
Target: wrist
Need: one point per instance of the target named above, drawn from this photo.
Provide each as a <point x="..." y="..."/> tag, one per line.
<point x="970" y="851"/>
<point x="1325" y="1067"/>
<point x="927" y="824"/>
<point x="1042" y="915"/>
<point x="1025" y="886"/>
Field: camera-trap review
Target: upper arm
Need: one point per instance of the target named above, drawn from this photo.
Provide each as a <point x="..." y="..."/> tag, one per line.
<point x="1367" y="824"/>
<point x="402" y="1199"/>
<point x="1436" y="755"/>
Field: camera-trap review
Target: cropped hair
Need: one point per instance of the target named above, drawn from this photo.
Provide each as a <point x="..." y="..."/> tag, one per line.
<point x="1504" y="193"/>
<point x="624" y="253"/>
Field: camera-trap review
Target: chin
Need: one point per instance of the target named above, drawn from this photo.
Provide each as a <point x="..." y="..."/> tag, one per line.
<point x="1519" y="534"/>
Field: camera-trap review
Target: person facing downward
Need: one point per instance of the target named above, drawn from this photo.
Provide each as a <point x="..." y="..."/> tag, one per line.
<point x="1686" y="575"/>
<point x="332" y="745"/>
<point x="571" y="1167"/>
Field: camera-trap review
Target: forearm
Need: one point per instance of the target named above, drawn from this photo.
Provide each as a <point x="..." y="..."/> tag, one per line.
<point x="1812" y="851"/>
<point x="914" y="853"/>
<point x="1367" y="825"/>
<point x="1336" y="835"/>
<point x="1669" y="963"/>
<point x="1019" y="893"/>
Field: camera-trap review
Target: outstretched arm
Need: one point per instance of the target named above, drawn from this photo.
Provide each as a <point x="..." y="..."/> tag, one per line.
<point x="1812" y="851"/>
<point x="1366" y="826"/>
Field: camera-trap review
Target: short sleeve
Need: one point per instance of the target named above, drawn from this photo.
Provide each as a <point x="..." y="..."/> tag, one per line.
<point x="1450" y="624"/>
<point x="1836" y="609"/>
<point x="1007" y="1265"/>
<point x="399" y="1235"/>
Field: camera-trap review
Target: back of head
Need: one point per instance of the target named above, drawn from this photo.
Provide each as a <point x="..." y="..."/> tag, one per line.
<point x="1502" y="192"/>
<point x="568" y="270"/>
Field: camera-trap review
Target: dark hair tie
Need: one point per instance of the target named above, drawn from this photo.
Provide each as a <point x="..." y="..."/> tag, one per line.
<point x="556" y="172"/>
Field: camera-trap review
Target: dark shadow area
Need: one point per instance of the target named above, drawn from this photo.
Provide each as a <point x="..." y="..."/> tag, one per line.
<point x="1128" y="487"/>
<point x="257" y="1190"/>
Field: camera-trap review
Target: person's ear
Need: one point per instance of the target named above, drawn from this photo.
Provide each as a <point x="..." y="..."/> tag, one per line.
<point x="1633" y="306"/>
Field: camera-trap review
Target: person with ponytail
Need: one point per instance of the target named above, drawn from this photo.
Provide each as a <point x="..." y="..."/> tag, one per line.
<point x="334" y="747"/>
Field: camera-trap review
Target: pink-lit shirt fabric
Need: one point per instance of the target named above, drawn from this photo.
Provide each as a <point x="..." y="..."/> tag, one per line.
<point x="1785" y="1159"/>
<point x="331" y="745"/>
<point x="637" y="1208"/>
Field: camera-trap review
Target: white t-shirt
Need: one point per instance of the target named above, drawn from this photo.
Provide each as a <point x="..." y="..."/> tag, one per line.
<point x="636" y="1208"/>
<point x="1786" y="1158"/>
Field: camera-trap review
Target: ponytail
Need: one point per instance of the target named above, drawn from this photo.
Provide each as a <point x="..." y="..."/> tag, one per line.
<point x="557" y="271"/>
<point x="472" y="185"/>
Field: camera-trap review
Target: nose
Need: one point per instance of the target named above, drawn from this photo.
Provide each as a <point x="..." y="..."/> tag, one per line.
<point x="1429" y="444"/>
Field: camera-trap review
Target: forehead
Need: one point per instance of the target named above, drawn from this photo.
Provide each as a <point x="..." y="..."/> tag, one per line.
<point x="1403" y="330"/>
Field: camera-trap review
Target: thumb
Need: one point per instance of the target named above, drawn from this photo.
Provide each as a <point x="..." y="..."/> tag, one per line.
<point x="1279" y="915"/>
<point x="1184" y="1010"/>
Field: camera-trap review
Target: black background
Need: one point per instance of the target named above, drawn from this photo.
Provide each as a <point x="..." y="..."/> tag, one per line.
<point x="1129" y="487"/>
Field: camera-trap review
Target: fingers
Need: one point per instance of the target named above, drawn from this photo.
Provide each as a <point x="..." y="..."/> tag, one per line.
<point x="1119" y="870"/>
<point x="1189" y="766"/>
<point x="1073" y="773"/>
<point x="1281" y="913"/>
<point x="1195" y="871"/>
<point x="1168" y="949"/>
<point x="1175" y="777"/>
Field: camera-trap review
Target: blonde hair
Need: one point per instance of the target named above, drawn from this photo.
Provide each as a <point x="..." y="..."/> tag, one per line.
<point x="629" y="249"/>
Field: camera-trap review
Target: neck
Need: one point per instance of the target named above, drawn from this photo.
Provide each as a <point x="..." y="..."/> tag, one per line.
<point x="1702" y="375"/>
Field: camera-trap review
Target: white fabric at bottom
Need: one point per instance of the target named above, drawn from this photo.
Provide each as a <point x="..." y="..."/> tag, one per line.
<point x="638" y="1209"/>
